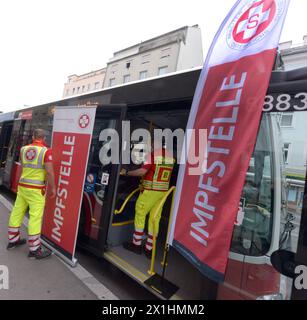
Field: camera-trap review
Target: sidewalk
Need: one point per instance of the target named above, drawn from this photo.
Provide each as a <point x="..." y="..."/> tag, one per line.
<point x="33" y="279"/>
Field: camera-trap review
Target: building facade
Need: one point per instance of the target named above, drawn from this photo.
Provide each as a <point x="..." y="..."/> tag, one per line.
<point x="177" y="50"/>
<point x="294" y="55"/>
<point x="78" y="84"/>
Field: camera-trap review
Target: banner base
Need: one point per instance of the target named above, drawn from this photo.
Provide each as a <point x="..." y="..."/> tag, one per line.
<point x="164" y="287"/>
<point x="73" y="263"/>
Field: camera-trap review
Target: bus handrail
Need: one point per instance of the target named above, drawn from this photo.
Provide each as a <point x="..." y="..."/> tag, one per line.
<point x="151" y="271"/>
<point x="126" y="201"/>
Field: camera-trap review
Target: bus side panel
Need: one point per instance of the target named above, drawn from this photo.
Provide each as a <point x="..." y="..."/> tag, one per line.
<point x="15" y="176"/>
<point x="259" y="280"/>
<point x="230" y="289"/>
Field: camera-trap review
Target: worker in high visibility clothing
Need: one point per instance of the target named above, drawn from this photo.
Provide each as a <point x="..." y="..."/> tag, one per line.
<point x="156" y="173"/>
<point x="37" y="167"/>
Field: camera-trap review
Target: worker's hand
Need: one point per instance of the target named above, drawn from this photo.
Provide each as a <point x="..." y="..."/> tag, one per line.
<point x="123" y="172"/>
<point x="52" y="193"/>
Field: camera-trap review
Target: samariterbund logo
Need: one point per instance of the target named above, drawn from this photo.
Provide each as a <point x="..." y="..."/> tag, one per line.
<point x="84" y="121"/>
<point x="254" y="22"/>
<point x="30" y="154"/>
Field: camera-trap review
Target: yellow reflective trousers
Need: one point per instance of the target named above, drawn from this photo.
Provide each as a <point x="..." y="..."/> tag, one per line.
<point x="148" y="201"/>
<point x="35" y="201"/>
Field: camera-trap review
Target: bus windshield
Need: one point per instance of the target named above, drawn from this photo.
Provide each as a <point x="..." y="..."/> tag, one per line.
<point x="253" y="235"/>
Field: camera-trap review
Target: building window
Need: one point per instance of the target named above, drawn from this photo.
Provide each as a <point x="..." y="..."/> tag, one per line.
<point x="145" y="58"/>
<point x="78" y="90"/>
<point x="287" y="120"/>
<point x="83" y="88"/>
<point x="67" y="92"/>
<point x="292" y="195"/>
<point x="112" y="82"/>
<point x="96" y="85"/>
<point x="73" y="90"/>
<point x="143" y="75"/>
<point x="286" y="151"/>
<point x="126" y="78"/>
<point x="166" y="49"/>
<point x="89" y="87"/>
<point x="300" y="199"/>
<point x="128" y="64"/>
<point x="162" y="70"/>
<point x="165" y="53"/>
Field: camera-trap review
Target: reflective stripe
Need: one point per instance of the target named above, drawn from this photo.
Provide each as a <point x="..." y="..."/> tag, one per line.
<point x="34" y="248"/>
<point x="40" y="183"/>
<point x="32" y="166"/>
<point x="30" y="186"/>
<point x="13" y="229"/>
<point x="21" y="154"/>
<point x="34" y="242"/>
<point x="159" y="188"/>
<point x="15" y="238"/>
<point x="12" y="236"/>
<point x="137" y="242"/>
<point x="147" y="184"/>
<point x="41" y="157"/>
<point x="36" y="236"/>
<point x="137" y="237"/>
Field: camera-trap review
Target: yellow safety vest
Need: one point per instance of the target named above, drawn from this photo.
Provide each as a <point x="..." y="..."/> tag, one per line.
<point x="161" y="177"/>
<point x="33" y="166"/>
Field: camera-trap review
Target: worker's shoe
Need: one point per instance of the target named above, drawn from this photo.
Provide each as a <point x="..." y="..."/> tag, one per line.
<point x="13" y="245"/>
<point x="132" y="247"/>
<point x="147" y="253"/>
<point x="40" y="253"/>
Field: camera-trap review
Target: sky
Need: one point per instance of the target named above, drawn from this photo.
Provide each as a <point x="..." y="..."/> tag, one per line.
<point x="44" y="41"/>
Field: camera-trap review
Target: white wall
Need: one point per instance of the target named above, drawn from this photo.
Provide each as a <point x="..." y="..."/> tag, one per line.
<point x="191" y="52"/>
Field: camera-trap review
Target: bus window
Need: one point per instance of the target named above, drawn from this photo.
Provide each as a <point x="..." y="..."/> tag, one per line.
<point x="5" y="140"/>
<point x="253" y="236"/>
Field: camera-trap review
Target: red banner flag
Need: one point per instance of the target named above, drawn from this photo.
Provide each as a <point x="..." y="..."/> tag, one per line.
<point x="72" y="134"/>
<point x="228" y="103"/>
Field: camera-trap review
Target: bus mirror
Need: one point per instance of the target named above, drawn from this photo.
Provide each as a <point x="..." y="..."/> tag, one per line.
<point x="284" y="262"/>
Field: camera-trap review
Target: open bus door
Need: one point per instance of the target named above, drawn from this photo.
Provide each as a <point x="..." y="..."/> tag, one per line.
<point x="101" y="182"/>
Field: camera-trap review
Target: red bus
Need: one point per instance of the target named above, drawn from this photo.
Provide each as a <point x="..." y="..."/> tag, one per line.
<point x="107" y="214"/>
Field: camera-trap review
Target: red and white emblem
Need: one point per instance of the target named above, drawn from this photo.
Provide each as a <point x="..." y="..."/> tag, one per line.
<point x="84" y="121"/>
<point x="253" y="23"/>
<point x="31" y="154"/>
